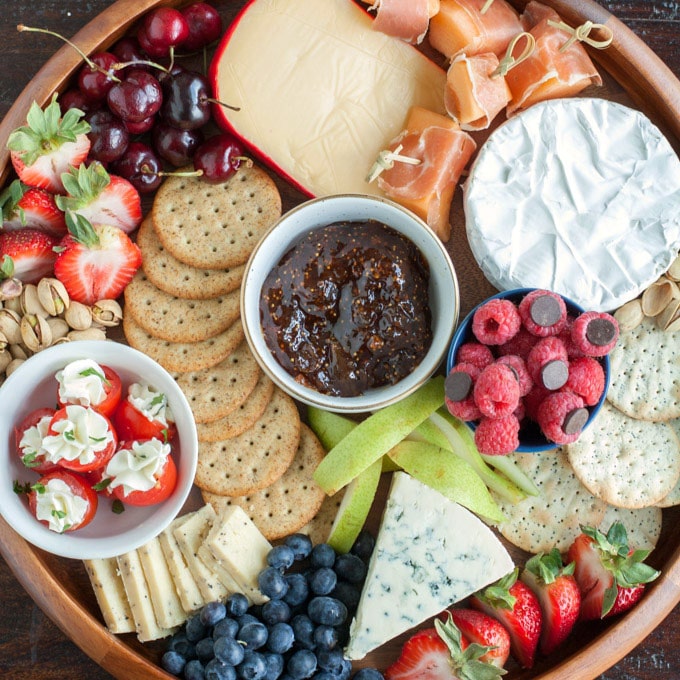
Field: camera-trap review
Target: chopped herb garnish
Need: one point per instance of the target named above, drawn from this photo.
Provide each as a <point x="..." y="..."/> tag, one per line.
<point x="30" y="459"/>
<point x="38" y="488"/>
<point x="69" y="436"/>
<point x="59" y="514"/>
<point x="18" y="487"/>
<point x="103" y="484"/>
<point x="91" y="371"/>
<point x="117" y="507"/>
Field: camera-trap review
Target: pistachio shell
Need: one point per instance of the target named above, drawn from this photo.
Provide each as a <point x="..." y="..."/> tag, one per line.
<point x="53" y="296"/>
<point x="14" y="304"/>
<point x="10" y="325"/>
<point x="3" y="342"/>
<point x="19" y="351"/>
<point x="87" y="334"/>
<point x="5" y="359"/>
<point x="673" y="272"/>
<point x="10" y="289"/>
<point x="78" y="316"/>
<point x="35" y="332"/>
<point x="12" y="366"/>
<point x="668" y="315"/>
<point x="59" y="328"/>
<point x="629" y="315"/>
<point x="30" y="302"/>
<point x="659" y="295"/>
<point x="107" y="313"/>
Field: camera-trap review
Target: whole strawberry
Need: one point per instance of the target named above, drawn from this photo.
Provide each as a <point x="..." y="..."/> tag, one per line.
<point x="48" y="145"/>
<point x="558" y="594"/>
<point x="442" y="653"/>
<point x="31" y="253"/>
<point x="476" y="626"/>
<point x="23" y="206"/>
<point x="514" y="604"/>
<point x="95" y="262"/>
<point x="610" y="575"/>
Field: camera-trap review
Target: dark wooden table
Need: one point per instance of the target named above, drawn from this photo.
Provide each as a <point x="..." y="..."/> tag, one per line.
<point x="31" y="646"/>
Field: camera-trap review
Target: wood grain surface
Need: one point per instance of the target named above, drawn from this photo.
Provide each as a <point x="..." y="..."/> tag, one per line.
<point x="31" y="646"/>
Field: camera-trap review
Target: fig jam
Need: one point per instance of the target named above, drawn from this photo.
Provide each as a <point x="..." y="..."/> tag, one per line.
<point x="346" y="308"/>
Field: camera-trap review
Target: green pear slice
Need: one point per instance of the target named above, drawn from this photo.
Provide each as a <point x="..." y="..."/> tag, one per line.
<point x="329" y="427"/>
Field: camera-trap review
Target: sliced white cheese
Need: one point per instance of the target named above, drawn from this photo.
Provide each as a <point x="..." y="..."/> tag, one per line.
<point x="240" y="548"/>
<point x="429" y="554"/>
<point x="185" y="583"/>
<point x="110" y="593"/>
<point x="164" y="598"/>
<point x="579" y="196"/>
<point x="320" y="93"/>
<point x="137" y="591"/>
<point x="190" y="535"/>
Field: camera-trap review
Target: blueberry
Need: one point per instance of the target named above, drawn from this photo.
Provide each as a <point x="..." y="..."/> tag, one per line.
<point x="275" y="611"/>
<point x="237" y="605"/>
<point x="281" y="638"/>
<point x="326" y="637"/>
<point x="304" y="631"/>
<point x="173" y="662"/>
<point x="322" y="581"/>
<point x="331" y="660"/>
<point x="194" y="670"/>
<point x="246" y="619"/>
<point x="179" y="643"/>
<point x="348" y="594"/>
<point x="272" y="583"/>
<point x="281" y="557"/>
<point x="301" y="664"/>
<point x="227" y="627"/>
<point x="368" y="674"/>
<point x="212" y="613"/>
<point x="253" y="667"/>
<point x="346" y="670"/>
<point x="205" y="649"/>
<point x="363" y="546"/>
<point x="298" y="590"/>
<point x="195" y="628"/>
<point x="300" y="544"/>
<point x="322" y="555"/>
<point x="253" y="635"/>
<point x="350" y="567"/>
<point x="216" y="670"/>
<point x="327" y="611"/>
<point x="228" y="650"/>
<point x="324" y="675"/>
<point x="274" y="663"/>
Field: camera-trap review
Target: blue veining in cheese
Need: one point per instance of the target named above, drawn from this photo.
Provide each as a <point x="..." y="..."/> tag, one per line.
<point x="429" y="553"/>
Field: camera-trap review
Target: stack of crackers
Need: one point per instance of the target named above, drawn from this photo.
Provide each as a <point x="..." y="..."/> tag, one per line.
<point x="182" y="309"/>
<point x="625" y="465"/>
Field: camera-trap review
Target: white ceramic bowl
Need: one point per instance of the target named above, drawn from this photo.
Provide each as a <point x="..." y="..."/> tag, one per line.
<point x="443" y="292"/>
<point x="33" y="385"/>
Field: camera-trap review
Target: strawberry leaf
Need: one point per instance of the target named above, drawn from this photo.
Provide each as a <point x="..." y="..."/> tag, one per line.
<point x="83" y="185"/>
<point x="498" y="594"/>
<point x="609" y="599"/>
<point x="9" y="201"/>
<point x="81" y="229"/>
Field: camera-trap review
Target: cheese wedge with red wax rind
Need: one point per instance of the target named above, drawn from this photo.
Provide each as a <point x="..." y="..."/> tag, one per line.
<point x="318" y="90"/>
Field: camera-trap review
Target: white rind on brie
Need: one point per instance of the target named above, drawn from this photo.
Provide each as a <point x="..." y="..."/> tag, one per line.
<point x="579" y="196"/>
<point x="429" y="554"/>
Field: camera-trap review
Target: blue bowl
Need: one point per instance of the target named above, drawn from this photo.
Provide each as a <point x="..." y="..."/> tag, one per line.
<point x="531" y="439"/>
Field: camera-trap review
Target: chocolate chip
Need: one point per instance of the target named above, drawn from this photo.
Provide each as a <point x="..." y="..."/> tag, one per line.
<point x="575" y="420"/>
<point x="457" y="385"/>
<point x="545" y="311"/>
<point x="554" y="374"/>
<point x="600" y="332"/>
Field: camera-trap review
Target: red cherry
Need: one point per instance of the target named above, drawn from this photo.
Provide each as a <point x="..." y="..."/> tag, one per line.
<point x="205" y="25"/>
<point x="162" y="30"/>
<point x="136" y="97"/>
<point x="219" y="157"/>
<point x="95" y="83"/>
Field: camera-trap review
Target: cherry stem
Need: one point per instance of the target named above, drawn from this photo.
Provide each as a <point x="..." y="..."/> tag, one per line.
<point x="118" y="66"/>
<point x="31" y="29"/>
<point x="217" y="101"/>
<point x="146" y="170"/>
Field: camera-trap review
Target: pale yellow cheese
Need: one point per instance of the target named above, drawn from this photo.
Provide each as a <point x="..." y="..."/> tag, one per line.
<point x="190" y="535"/>
<point x="110" y="593"/>
<point x="164" y="598"/>
<point x="185" y="584"/>
<point x="239" y="546"/>
<point x="319" y="92"/>
<point x="137" y="591"/>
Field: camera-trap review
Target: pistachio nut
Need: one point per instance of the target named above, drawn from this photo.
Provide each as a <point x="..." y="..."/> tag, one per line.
<point x="87" y="334"/>
<point x="5" y="359"/>
<point x="53" y="296"/>
<point x="35" y="332"/>
<point x="107" y="313"/>
<point x="59" y="328"/>
<point x="19" y="351"/>
<point x="12" y="366"/>
<point x="10" y="325"/>
<point x="78" y="316"/>
<point x="10" y="288"/>
<point x="30" y="303"/>
<point x="629" y="315"/>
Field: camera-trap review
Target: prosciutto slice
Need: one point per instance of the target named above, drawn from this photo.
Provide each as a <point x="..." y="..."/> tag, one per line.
<point x="404" y="19"/>
<point x="549" y="73"/>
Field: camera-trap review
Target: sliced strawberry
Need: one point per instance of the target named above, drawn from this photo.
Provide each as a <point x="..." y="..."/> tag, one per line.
<point x="485" y="630"/>
<point x="558" y="594"/>
<point x="101" y="198"/>
<point x="24" y="206"/>
<point x="95" y="262"/>
<point x="441" y="653"/>
<point x="48" y="145"/>
<point x="610" y="575"/>
<point x="31" y="251"/>
<point x="514" y="604"/>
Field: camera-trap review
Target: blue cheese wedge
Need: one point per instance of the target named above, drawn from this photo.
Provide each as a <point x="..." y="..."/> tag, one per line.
<point x="429" y="554"/>
<point x="110" y="593"/>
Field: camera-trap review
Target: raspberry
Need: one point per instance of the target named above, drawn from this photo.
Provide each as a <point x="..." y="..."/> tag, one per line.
<point x="595" y="333"/>
<point x="520" y="344"/>
<point x="543" y="313"/>
<point x="458" y="391"/>
<point x="496" y="391"/>
<point x="497" y="436"/>
<point x="495" y="322"/>
<point x="586" y="378"/>
<point x="518" y="365"/>
<point x="548" y="364"/>
<point x="565" y="336"/>
<point x="562" y="416"/>
<point x="474" y="353"/>
<point x="533" y="400"/>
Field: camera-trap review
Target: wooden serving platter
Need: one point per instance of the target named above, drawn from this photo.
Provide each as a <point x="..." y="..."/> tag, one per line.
<point x="633" y="75"/>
